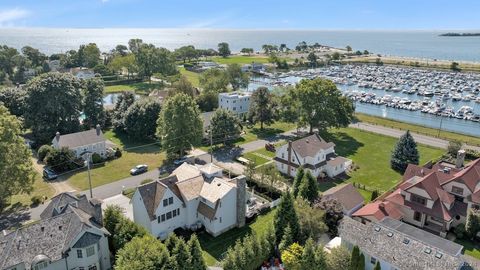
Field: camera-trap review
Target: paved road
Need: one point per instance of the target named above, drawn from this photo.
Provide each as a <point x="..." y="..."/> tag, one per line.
<point x="419" y="138"/>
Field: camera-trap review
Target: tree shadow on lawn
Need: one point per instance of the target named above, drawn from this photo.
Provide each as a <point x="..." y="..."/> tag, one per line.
<point x="327" y="183"/>
<point x="345" y="145"/>
<point x="146" y="87"/>
<point x="131" y="145"/>
<point x="266" y="132"/>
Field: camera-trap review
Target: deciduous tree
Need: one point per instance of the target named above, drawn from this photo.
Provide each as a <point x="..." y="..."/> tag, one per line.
<point x="338" y="259"/>
<point x="261" y="107"/>
<point x="142" y="253"/>
<point x="140" y="119"/>
<point x="93" y="103"/>
<point x="223" y="49"/>
<point x="237" y="78"/>
<point x="224" y="126"/>
<point x="14" y="99"/>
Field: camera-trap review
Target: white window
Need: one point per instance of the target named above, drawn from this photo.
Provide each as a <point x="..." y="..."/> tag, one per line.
<point x="92" y="267"/>
<point x="373" y="260"/>
<point x="90" y="251"/>
<point x="41" y="265"/>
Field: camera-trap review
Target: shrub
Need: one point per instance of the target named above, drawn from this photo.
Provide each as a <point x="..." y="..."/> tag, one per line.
<point x="62" y="160"/>
<point x="454" y="147"/>
<point x="43" y="151"/>
<point x="118" y="153"/>
<point x="146" y="181"/>
<point x="96" y="158"/>
<point x="460" y="231"/>
<point x="36" y="200"/>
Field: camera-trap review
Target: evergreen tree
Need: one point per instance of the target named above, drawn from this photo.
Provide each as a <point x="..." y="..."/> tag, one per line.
<point x="180" y="258"/>
<point x="171" y="242"/>
<point x="196" y="260"/>
<point x="320" y="258"/>
<point x="287" y="239"/>
<point x="308" y="188"/>
<point x="405" y="153"/>
<point x="354" y="259"/>
<point x="309" y="260"/>
<point x="286" y="216"/>
<point x="377" y="266"/>
<point x="361" y="262"/>
<point x="297" y="181"/>
<point x="374" y="195"/>
<point x="472" y="225"/>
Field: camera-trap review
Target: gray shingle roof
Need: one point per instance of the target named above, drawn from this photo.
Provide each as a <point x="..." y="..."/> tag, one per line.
<point x="375" y="240"/>
<point x="152" y="194"/>
<point x="346" y="194"/>
<point x="310" y="145"/>
<point x="82" y="138"/>
<point x="87" y="239"/>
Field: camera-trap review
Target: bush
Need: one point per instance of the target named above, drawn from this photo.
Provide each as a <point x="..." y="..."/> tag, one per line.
<point x="62" y="160"/>
<point x="146" y="181"/>
<point x="96" y="158"/>
<point x="471" y="154"/>
<point x="454" y="147"/>
<point x="43" y="151"/>
<point x="36" y="200"/>
<point x="460" y="231"/>
<point x="118" y="153"/>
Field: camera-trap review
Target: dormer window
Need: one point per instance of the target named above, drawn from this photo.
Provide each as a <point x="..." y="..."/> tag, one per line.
<point x="457" y="190"/>
<point x="418" y="199"/>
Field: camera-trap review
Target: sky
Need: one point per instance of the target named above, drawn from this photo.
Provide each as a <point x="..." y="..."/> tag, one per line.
<point x="245" y="14"/>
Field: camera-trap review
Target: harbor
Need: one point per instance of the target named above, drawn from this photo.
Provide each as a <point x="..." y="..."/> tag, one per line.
<point x="437" y="99"/>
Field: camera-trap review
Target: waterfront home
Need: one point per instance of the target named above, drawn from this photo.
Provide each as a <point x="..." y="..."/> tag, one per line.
<point x="82" y="73"/>
<point x="314" y="154"/>
<point x="70" y="235"/>
<point x="399" y="246"/>
<point x="79" y="142"/>
<point x="253" y="67"/>
<point x="347" y="195"/>
<point x="435" y="197"/>
<point x="191" y="197"/>
<point x="236" y="102"/>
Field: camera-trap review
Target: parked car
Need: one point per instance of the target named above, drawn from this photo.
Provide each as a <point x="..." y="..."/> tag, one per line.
<point x="180" y="161"/>
<point x="139" y="169"/>
<point x="49" y="174"/>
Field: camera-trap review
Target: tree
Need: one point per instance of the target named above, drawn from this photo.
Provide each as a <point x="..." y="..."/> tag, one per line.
<point x="455" y="66"/>
<point x="366" y="52"/>
<point x="287" y="239"/>
<point x="34" y="55"/>
<point x="223" y="49"/>
<point x="142" y="253"/>
<point x="127" y="62"/>
<point x="453" y="147"/>
<point x="354" y="258"/>
<point x="338" y="259"/>
<point x="261" y="107"/>
<point x="472" y="225"/>
<point x="171" y="241"/>
<point x="134" y="44"/>
<point x="124" y="101"/>
<point x="16" y="169"/>
<point x="333" y="214"/>
<point x="111" y="217"/>
<point x="207" y="101"/>
<point x="361" y="262"/>
<point x="14" y="98"/>
<point x="320" y="257"/>
<point x="93" y="103"/>
<point x="322" y="105"/>
<point x="377" y="266"/>
<point x="349" y="48"/>
<point x="237" y="78"/>
<point x="124" y="232"/>
<point x="224" y="126"/>
<point x="46" y="115"/>
<point x="140" y="119"/>
<point x="308" y="188"/>
<point x="196" y="261"/>
<point x="183" y="85"/>
<point x="214" y="80"/>
<point x="247" y="50"/>
<point x="90" y="55"/>
<point x="286" y="216"/>
<point x="297" y="181"/>
<point x="336" y="56"/>
<point x="374" y="195"/>
<point x="287" y="104"/>
<point x="313" y="59"/>
<point x="43" y="151"/>
<point x="292" y="257"/>
<point x="186" y="53"/>
<point x="179" y="136"/>
<point x="311" y="221"/>
<point x="152" y="60"/>
<point x="180" y="257"/>
<point x="405" y="153"/>
<point x="61" y="160"/>
<point x="309" y="261"/>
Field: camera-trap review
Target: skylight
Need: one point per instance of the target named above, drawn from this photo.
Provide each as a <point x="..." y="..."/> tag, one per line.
<point x="406" y="241"/>
<point x="438" y="255"/>
<point x="377" y="229"/>
<point x="390" y="234"/>
<point x="427" y="250"/>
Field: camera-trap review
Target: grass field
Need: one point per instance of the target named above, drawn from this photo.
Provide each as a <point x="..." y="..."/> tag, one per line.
<point x="418" y="129"/>
<point x="40" y="188"/>
<point x="371" y="152"/>
<point x="193" y="77"/>
<point x="472" y="249"/>
<point x="214" y="247"/>
<point x="134" y="153"/>
<point x="141" y="88"/>
<point x="240" y="59"/>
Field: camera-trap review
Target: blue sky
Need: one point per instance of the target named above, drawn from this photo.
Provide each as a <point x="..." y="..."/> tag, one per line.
<point x="246" y="14"/>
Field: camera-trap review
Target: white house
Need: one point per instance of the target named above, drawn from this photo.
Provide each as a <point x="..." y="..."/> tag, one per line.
<point x="400" y="246"/>
<point x="79" y="142"/>
<point x="82" y="73"/>
<point x="236" y="102"/>
<point x="69" y="236"/>
<point x="189" y="198"/>
<point x="314" y="154"/>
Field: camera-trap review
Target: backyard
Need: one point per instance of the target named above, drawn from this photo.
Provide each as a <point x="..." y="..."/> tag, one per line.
<point x="133" y="153"/>
<point x="141" y="88"/>
<point x="470" y="248"/>
<point x="40" y="188"/>
<point x="193" y="77"/>
<point x="214" y="247"/>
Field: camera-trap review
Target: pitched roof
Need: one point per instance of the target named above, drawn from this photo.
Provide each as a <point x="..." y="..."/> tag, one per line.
<point x="346" y="194"/>
<point x="402" y="245"/>
<point x="191" y="188"/>
<point x="82" y="138"/>
<point x="152" y="194"/>
<point x="310" y="145"/>
<point x="216" y="189"/>
<point x="206" y="210"/>
<point x="470" y="175"/>
<point x="186" y="171"/>
<point x="379" y="210"/>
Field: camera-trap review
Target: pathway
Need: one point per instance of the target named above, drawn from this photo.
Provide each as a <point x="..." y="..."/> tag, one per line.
<point x="60" y="184"/>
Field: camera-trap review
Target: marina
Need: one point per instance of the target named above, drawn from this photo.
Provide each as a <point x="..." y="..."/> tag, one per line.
<point x="437" y="99"/>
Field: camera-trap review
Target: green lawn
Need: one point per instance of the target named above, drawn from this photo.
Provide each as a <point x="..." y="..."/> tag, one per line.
<point x="259" y="156"/>
<point x="40" y="188"/>
<point x="141" y="88"/>
<point x="134" y="153"/>
<point x="371" y="152"/>
<point x="240" y="59"/>
<point x="418" y="129"/>
<point x="193" y="77"/>
<point x="214" y="247"/>
<point x="472" y="249"/>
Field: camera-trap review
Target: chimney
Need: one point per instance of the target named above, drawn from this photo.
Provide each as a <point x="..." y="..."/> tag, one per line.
<point x="381" y="206"/>
<point x="97" y="210"/>
<point x="241" y="182"/>
<point x="289" y="156"/>
<point x="57" y="136"/>
<point x="98" y="129"/>
<point x="460" y="159"/>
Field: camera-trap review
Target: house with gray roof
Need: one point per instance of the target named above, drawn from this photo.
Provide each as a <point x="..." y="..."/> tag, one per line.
<point x="400" y="246"/>
<point x="79" y="142"/>
<point x="191" y="197"/>
<point x="70" y="235"/>
<point x="314" y="154"/>
<point x="347" y="195"/>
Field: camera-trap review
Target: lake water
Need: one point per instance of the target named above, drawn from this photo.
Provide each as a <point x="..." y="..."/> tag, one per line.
<point x="110" y="99"/>
<point x="422" y="44"/>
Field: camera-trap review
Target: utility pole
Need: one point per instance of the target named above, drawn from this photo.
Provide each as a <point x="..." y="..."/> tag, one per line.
<point x="89" y="158"/>
<point x="211" y="145"/>
<point x="440" y="128"/>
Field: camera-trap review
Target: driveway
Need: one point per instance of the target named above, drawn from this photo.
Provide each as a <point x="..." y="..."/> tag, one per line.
<point x="121" y="201"/>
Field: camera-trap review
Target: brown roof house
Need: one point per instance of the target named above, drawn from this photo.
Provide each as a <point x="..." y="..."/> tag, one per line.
<point x="433" y="197"/>
<point x="91" y="140"/>
<point x="347" y="195"/>
<point x="314" y="154"/>
<point x="189" y="198"/>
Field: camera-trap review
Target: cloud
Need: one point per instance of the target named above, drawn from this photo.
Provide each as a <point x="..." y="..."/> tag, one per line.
<point x="9" y="16"/>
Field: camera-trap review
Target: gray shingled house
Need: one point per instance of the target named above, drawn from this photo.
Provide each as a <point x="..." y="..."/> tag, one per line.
<point x="91" y="140"/>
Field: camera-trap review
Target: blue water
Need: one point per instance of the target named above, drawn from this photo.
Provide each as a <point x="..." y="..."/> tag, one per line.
<point x="422" y="44"/>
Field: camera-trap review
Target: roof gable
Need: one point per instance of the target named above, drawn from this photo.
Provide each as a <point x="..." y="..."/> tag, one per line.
<point x="82" y="138"/>
<point x="310" y="145"/>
